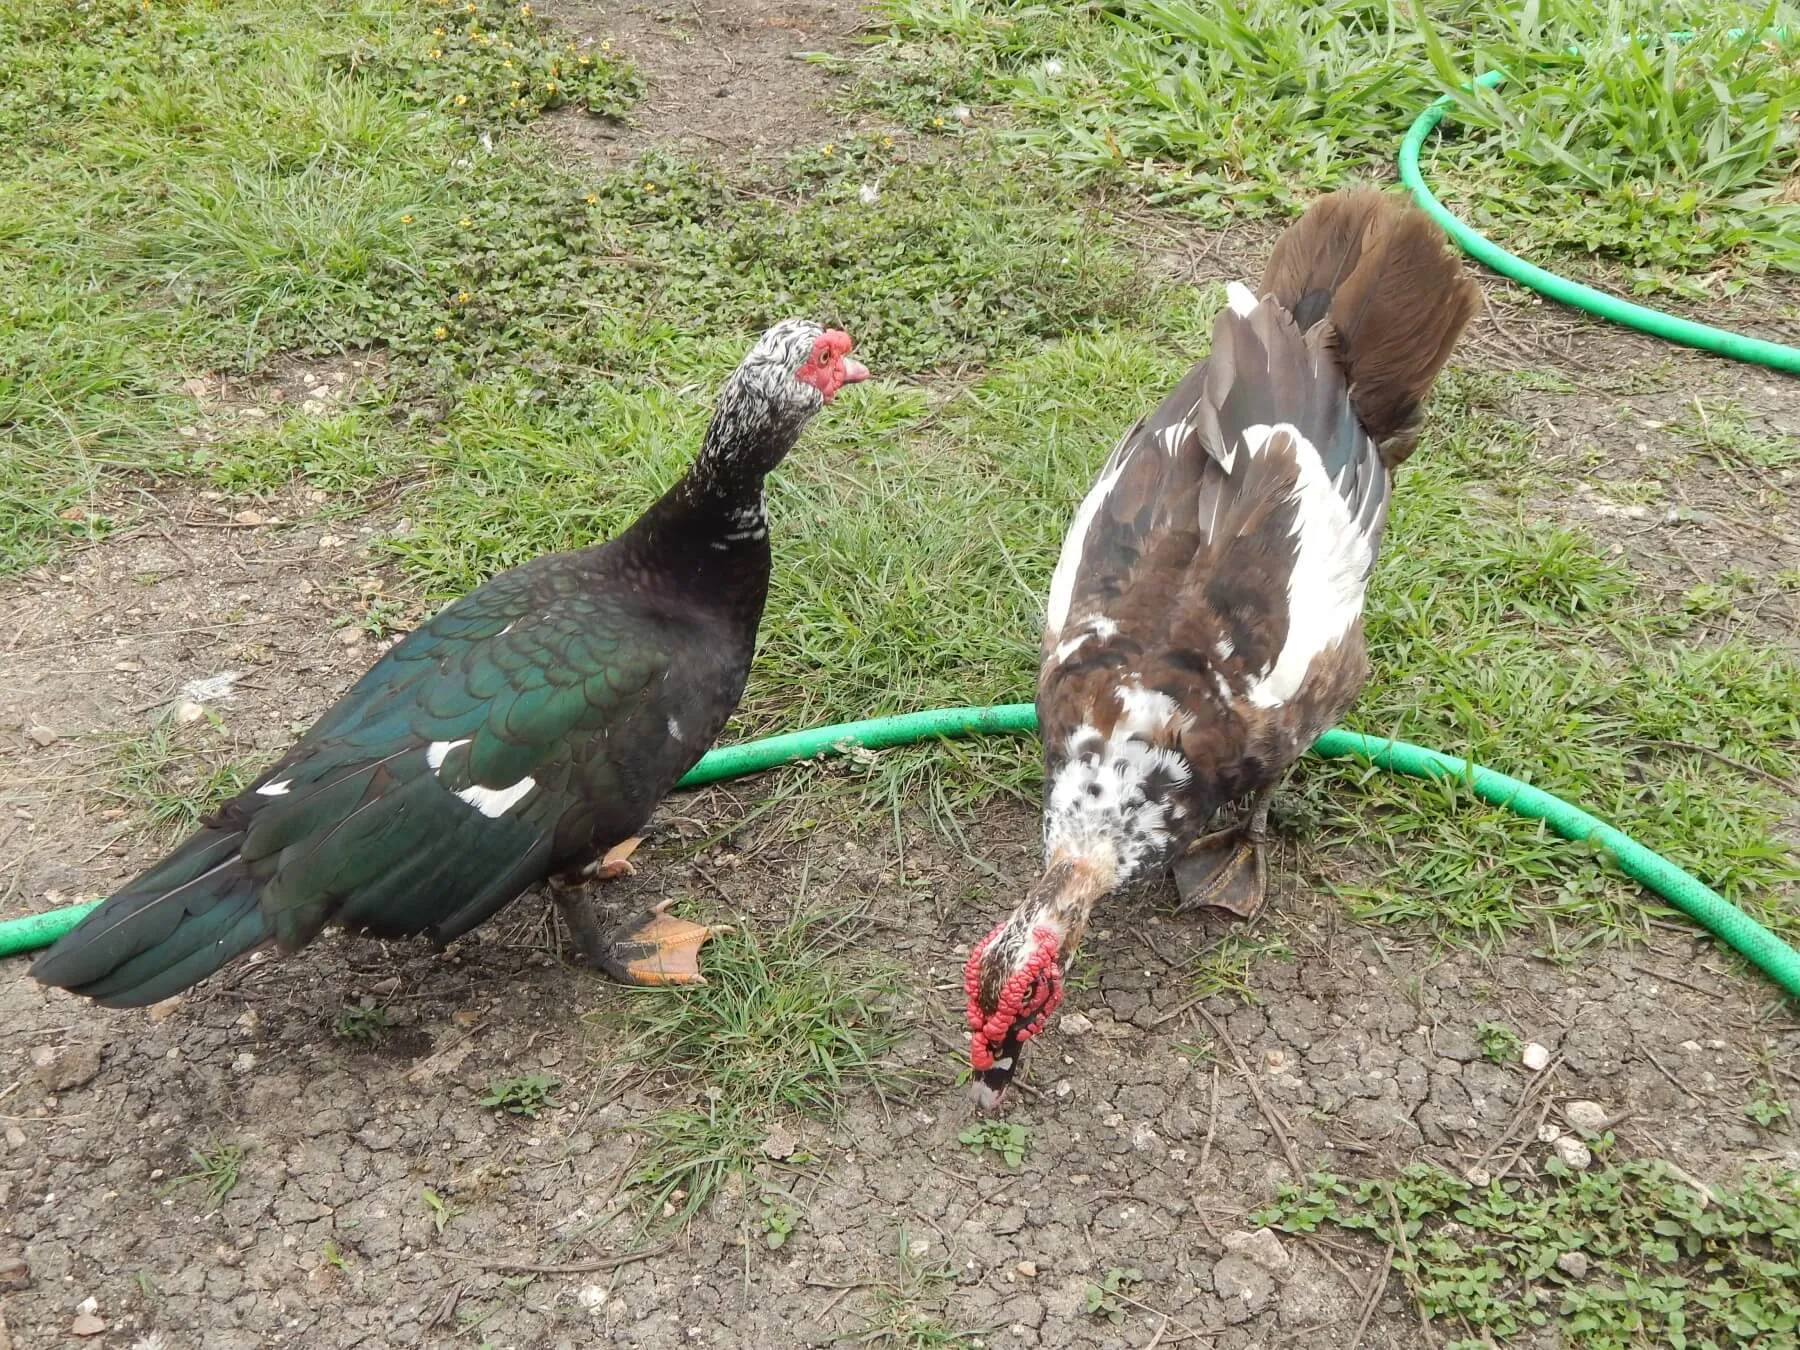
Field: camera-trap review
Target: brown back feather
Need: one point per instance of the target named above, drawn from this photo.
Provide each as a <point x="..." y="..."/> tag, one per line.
<point x="1376" y="272"/>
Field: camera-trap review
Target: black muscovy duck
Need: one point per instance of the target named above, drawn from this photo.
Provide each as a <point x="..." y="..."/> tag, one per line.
<point x="527" y="730"/>
<point x="1204" y="622"/>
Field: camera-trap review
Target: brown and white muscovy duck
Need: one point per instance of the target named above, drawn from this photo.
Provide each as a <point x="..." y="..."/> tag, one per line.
<point x="1204" y="623"/>
<point x="524" y="732"/>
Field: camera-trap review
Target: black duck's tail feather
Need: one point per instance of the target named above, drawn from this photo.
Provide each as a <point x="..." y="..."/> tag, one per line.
<point x="166" y="931"/>
<point x="1376" y="269"/>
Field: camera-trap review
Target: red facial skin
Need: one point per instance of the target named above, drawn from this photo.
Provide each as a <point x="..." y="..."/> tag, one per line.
<point x="830" y="367"/>
<point x="1031" y="993"/>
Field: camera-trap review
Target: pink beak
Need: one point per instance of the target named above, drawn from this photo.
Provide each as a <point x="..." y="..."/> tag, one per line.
<point x="855" y="372"/>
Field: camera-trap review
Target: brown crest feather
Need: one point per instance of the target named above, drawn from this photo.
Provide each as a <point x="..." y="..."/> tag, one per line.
<point x="1375" y="271"/>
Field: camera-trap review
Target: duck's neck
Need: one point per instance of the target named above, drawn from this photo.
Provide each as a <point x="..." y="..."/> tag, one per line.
<point x="1063" y="898"/>
<point x="710" y="531"/>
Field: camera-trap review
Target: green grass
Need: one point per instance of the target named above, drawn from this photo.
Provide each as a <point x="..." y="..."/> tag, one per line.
<point x="1645" y="1259"/>
<point x="1665" y="158"/>
<point x="216" y="1169"/>
<point x="523" y="1095"/>
<point x="912" y="1304"/>
<point x="168" y="778"/>
<point x="789" y="1021"/>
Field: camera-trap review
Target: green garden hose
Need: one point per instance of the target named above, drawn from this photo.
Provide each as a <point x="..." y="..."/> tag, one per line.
<point x="1654" y="322"/>
<point x="1736" y="929"/>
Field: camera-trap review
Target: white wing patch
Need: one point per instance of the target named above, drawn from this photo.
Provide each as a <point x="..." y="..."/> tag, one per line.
<point x="1068" y="566"/>
<point x="1241" y="298"/>
<point x="279" y="789"/>
<point x="495" y="802"/>
<point x="674" y="729"/>
<point x="436" y="753"/>
<point x="1330" y="572"/>
<point x="1096" y="627"/>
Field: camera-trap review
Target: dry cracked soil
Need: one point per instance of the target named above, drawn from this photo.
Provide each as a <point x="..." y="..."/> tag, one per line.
<point x="377" y="1203"/>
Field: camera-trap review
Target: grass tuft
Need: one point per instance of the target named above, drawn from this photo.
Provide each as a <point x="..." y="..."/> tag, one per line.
<point x="1629" y="1253"/>
<point x="789" y="1022"/>
<point x="1668" y="157"/>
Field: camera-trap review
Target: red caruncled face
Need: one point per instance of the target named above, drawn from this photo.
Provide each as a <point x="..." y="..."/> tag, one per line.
<point x="1030" y="993"/>
<point x="830" y="367"/>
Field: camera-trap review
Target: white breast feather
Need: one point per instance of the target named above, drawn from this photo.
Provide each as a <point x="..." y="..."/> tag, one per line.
<point x="1105" y="802"/>
<point x="1330" y="572"/>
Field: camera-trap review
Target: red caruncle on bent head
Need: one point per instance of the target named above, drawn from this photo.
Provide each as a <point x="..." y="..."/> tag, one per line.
<point x="1012" y="986"/>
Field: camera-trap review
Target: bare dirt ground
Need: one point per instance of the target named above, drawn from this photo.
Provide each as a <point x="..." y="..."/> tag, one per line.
<point x="378" y="1204"/>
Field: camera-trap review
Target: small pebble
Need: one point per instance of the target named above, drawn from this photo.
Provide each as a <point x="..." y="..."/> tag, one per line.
<point x="1588" y="1117"/>
<point x="1478" y="1176"/>
<point x="1535" y="1057"/>
<point x="1263" y="1248"/>
<point x="87" y="1324"/>
<point x="15" y="1274"/>
<point x="250" y="518"/>
<point x="868" y="194"/>
<point x="43" y="737"/>
<point x="1028" y="1269"/>
<point x="1573" y="1152"/>
<point x="350" y="637"/>
<point x="962" y="114"/>
<point x="1075" y="1024"/>
<point x="1053" y="67"/>
<point x="1573" y="1264"/>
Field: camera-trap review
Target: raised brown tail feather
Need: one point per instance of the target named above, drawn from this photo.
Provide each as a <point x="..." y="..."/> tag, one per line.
<point x="1378" y="271"/>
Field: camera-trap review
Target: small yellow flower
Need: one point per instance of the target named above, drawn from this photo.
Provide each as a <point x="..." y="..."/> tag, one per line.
<point x="549" y="86"/>
<point x="463" y="297"/>
<point x="437" y="32"/>
<point x="827" y="151"/>
<point x="592" y="199"/>
<point x="461" y="99"/>
<point x="485" y="40"/>
<point x="606" y="44"/>
<point x="406" y="220"/>
<point x="525" y="10"/>
<point x="649" y="187"/>
<point x="470" y="8"/>
<point x="465" y="222"/>
<point x="937" y="121"/>
<point x="440" y="332"/>
<point x="518" y="84"/>
<point x="584" y="60"/>
<point x="507" y="63"/>
<point x="435" y="53"/>
<point x="887" y="142"/>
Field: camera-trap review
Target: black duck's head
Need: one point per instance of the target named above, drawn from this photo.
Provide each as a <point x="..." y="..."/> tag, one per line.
<point x="794" y="370"/>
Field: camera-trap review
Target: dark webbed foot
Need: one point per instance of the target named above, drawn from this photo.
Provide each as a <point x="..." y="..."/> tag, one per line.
<point x="1225" y="869"/>
<point x="652" y="948"/>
